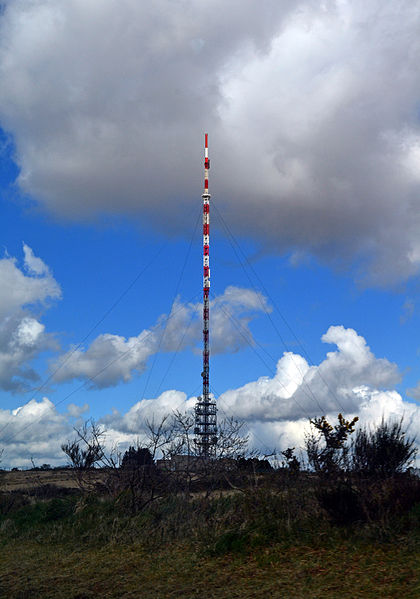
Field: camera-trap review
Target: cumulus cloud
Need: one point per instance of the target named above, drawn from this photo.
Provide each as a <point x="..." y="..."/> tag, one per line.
<point x="22" y="336"/>
<point x="111" y="359"/>
<point x="135" y="420"/>
<point x="312" y="109"/>
<point x="35" y="430"/>
<point x="300" y="390"/>
<point x="373" y="406"/>
<point x="351" y="380"/>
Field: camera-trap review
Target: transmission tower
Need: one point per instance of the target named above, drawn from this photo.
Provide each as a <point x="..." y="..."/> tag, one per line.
<point x="205" y="408"/>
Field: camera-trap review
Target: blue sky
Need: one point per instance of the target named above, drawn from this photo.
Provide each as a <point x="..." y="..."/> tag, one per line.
<point x="315" y="171"/>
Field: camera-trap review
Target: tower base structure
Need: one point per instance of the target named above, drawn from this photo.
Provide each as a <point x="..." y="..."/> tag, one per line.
<point x="205" y="427"/>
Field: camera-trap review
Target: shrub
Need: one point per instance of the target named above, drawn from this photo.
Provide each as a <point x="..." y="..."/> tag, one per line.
<point x="342" y="503"/>
<point x="136" y="457"/>
<point x="327" y="447"/>
<point x="292" y="461"/>
<point x="382" y="452"/>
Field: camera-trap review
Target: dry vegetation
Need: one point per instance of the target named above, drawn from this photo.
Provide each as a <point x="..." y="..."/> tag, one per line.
<point x="344" y="570"/>
<point x="30" y="479"/>
<point x="271" y="540"/>
<point x="237" y="529"/>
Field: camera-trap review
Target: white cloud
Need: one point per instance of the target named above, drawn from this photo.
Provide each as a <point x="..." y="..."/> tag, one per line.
<point x="33" y="264"/>
<point x="134" y="421"/>
<point x="276" y="410"/>
<point x="354" y="360"/>
<point x="22" y="336"/>
<point x="111" y="359"/>
<point x="18" y="290"/>
<point x="350" y="380"/>
<point x="35" y="430"/>
<point x="312" y="109"/>
<point x="374" y="405"/>
<point x="300" y="390"/>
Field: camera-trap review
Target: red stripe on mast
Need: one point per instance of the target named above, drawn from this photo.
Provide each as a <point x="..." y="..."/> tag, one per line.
<point x="205" y="409"/>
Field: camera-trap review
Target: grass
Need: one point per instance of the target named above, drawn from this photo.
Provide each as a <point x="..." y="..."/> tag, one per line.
<point x="129" y="571"/>
<point x="258" y="544"/>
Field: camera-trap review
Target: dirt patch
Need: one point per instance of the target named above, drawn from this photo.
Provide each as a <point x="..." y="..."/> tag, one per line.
<point x="29" y="479"/>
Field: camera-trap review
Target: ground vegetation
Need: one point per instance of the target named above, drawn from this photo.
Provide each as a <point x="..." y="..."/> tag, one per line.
<point x="148" y="526"/>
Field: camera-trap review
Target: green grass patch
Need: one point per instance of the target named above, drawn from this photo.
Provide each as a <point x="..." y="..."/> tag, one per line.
<point x="258" y="543"/>
<point x="130" y="571"/>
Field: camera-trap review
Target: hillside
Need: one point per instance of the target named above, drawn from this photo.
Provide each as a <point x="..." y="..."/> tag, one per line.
<point x="269" y="537"/>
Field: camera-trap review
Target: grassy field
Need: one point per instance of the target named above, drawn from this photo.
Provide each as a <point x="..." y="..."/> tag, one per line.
<point x="258" y="543"/>
<point x="344" y="570"/>
<point x="33" y="479"/>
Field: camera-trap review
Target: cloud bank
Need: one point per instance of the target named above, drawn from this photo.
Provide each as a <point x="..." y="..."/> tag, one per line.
<point x="276" y="410"/>
<point x="312" y="109"/>
<point x="351" y="380"/>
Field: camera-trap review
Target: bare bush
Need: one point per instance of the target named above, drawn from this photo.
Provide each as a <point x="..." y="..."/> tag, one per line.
<point x="167" y="462"/>
<point x="85" y="452"/>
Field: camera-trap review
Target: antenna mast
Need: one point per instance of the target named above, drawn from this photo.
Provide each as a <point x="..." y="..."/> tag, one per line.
<point x="205" y="408"/>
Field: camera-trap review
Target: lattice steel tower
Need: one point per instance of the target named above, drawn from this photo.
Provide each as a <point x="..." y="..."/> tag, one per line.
<point x="205" y="408"/>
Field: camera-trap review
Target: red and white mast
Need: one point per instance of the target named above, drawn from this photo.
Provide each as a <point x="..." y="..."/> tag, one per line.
<point x="205" y="409"/>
